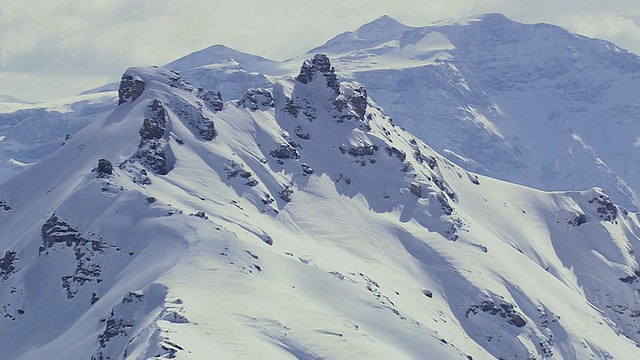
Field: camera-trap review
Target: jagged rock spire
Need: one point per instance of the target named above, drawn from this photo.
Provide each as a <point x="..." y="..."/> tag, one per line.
<point x="320" y="63"/>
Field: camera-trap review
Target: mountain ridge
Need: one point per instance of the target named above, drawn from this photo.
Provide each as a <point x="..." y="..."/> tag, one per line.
<point x="378" y="245"/>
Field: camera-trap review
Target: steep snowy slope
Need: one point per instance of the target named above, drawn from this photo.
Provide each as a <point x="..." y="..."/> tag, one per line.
<point x="298" y="222"/>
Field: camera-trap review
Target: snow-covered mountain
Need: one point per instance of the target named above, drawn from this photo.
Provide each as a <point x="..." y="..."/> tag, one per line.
<point x="527" y="103"/>
<point x="29" y="132"/>
<point x="531" y="104"/>
<point x="299" y="222"/>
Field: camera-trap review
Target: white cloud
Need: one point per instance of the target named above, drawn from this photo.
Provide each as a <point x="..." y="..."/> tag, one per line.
<point x="98" y="39"/>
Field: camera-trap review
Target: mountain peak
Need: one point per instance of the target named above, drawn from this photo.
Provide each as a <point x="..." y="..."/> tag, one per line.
<point x="215" y="54"/>
<point x="376" y="32"/>
<point x="381" y="25"/>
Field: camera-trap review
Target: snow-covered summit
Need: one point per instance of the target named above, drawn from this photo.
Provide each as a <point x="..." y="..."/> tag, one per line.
<point x="178" y="225"/>
<point x="368" y="36"/>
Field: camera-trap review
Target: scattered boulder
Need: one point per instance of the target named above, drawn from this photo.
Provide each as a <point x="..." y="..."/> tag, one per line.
<point x="606" y="209"/>
<point x="578" y="220"/>
<point x="285" y="151"/>
<point x="416" y="189"/>
<point x="4" y="206"/>
<point x="285" y="194"/>
<point x="307" y="169"/>
<point x="105" y="168"/>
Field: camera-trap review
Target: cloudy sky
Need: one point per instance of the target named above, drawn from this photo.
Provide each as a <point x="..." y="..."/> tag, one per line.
<point x="57" y="48"/>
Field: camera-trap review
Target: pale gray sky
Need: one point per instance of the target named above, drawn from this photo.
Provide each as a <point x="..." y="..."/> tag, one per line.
<point x="56" y="48"/>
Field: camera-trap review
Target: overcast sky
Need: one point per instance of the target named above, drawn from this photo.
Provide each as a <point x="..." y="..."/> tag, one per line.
<point x="57" y="48"/>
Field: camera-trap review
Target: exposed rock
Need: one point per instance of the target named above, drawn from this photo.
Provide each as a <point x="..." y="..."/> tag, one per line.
<point x="427" y="293"/>
<point x="56" y="231"/>
<point x="631" y="278"/>
<point x="416" y="189"/>
<point x="154" y="127"/>
<point x="104" y="168"/>
<point x="307" y="169"/>
<point x="362" y="150"/>
<point x="7" y="265"/>
<point x="94" y="298"/>
<point x="444" y="204"/>
<point x="505" y="310"/>
<point x="285" y="194"/>
<point x="151" y="150"/>
<point x="197" y="116"/>
<point x="351" y="103"/>
<point x="606" y="209"/>
<point x="578" y="220"/>
<point x="257" y="99"/>
<point x="4" y="206"/>
<point x="285" y="152"/>
<point x="130" y="89"/>
<point x="320" y="63"/>
<point x="212" y="98"/>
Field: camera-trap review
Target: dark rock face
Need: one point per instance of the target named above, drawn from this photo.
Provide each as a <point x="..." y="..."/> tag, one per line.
<point x="104" y="168"/>
<point x="285" y="152"/>
<point x="4" y="206"/>
<point x="130" y="89"/>
<point x="505" y="310"/>
<point x="352" y="103"/>
<point x="57" y="232"/>
<point x="320" y="63"/>
<point x="7" y="265"/>
<point x="578" y="220"/>
<point x="606" y="209"/>
<point x="257" y="99"/>
<point x="154" y="127"/>
<point x="151" y="149"/>
<point x="285" y="194"/>
<point x="212" y="98"/>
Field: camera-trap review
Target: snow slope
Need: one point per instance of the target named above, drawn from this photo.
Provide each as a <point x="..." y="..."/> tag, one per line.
<point x="298" y="222"/>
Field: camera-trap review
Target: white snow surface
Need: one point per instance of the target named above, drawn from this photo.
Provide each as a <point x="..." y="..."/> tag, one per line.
<point x="308" y="228"/>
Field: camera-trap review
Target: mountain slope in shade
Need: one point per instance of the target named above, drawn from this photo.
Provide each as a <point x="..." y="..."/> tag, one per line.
<point x="299" y="222"/>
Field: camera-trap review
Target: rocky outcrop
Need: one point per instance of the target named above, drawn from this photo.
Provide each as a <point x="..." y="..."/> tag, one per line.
<point x="151" y="150"/>
<point x="319" y="65"/>
<point x="4" y="206"/>
<point x="505" y="310"/>
<point x="257" y="99"/>
<point x="131" y="87"/>
<point x="605" y="208"/>
<point x="213" y="99"/>
<point x="8" y="265"/>
<point x="285" y="151"/>
<point x="105" y="168"/>
<point x="56" y="232"/>
<point x="131" y="318"/>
